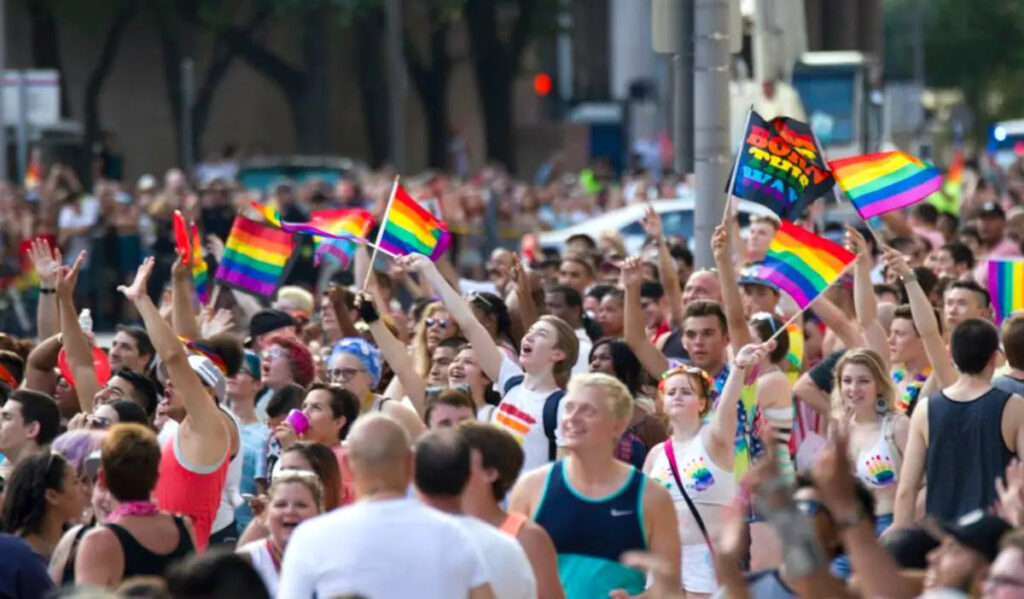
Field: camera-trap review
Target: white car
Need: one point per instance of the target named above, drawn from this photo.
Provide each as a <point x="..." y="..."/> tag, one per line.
<point x="676" y="219"/>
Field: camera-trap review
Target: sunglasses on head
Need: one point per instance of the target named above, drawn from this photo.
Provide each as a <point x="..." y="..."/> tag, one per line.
<point x="440" y="322"/>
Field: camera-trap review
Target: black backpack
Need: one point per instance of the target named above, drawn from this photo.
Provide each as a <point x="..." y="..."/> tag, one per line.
<point x="549" y="416"/>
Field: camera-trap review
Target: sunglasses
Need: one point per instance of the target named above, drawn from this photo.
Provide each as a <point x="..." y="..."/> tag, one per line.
<point x="439" y="322"/>
<point x="765" y="316"/>
<point x="273" y="353"/>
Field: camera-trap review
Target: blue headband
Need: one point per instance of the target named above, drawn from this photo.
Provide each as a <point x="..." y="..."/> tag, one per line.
<point x="365" y="351"/>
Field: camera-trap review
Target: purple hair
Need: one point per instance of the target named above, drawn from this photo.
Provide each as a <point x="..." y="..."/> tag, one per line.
<point x="76" y="445"/>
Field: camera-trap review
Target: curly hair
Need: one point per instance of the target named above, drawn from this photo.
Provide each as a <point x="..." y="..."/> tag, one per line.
<point x="25" y="496"/>
<point x="299" y="356"/>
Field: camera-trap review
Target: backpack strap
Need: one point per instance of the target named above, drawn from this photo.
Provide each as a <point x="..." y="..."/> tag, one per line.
<point x="550" y="416"/>
<point x="512" y="383"/>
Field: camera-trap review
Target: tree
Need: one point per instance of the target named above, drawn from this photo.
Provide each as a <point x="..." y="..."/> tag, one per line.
<point x="45" y="40"/>
<point x="497" y="59"/>
<point x="966" y="47"/>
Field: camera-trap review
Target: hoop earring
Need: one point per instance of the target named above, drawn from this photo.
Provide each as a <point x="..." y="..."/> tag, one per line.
<point x="881" y="407"/>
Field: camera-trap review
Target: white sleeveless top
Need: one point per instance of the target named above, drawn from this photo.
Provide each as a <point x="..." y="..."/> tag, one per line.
<point x="262" y="563"/>
<point x="704" y="481"/>
<point x="230" y="497"/>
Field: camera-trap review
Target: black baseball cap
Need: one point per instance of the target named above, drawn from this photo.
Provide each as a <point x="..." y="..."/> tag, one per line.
<point x="978" y="531"/>
<point x="989" y="209"/>
<point x="269" y="320"/>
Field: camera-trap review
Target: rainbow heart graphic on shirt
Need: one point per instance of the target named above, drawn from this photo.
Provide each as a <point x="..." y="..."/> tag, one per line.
<point x="698" y="475"/>
<point x="881" y="470"/>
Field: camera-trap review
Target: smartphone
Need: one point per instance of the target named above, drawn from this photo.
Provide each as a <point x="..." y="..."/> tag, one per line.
<point x="298" y="421"/>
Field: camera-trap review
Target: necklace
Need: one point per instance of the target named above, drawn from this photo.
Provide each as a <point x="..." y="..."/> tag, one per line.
<point x="134" y="508"/>
<point x="275" y="554"/>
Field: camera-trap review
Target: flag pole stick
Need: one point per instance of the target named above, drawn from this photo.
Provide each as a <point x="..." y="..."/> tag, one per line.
<point x="736" y="165"/>
<point x="214" y="296"/>
<point x="380" y="233"/>
<point x="801" y="311"/>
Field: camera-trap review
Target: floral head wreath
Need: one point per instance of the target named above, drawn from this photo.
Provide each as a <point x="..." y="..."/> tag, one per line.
<point x="705" y="380"/>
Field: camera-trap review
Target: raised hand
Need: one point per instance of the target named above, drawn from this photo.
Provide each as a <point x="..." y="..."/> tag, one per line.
<point x="1011" y="494"/>
<point x="749" y="355"/>
<point x="833" y="475"/>
<point x="45" y="261"/>
<point x="415" y="263"/>
<point x="856" y="243"/>
<point x="137" y="290"/>
<point x="720" y="243"/>
<point x="215" y="245"/>
<point x="897" y="262"/>
<point x="631" y="273"/>
<point x="216" y="322"/>
<point x="67" y="277"/>
<point x="179" y="269"/>
<point x="652" y="223"/>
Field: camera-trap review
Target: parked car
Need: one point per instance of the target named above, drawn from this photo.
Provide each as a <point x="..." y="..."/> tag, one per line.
<point x="677" y="218"/>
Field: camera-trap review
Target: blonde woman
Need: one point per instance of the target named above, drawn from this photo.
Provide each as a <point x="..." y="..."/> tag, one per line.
<point x="435" y="326"/>
<point x="863" y="403"/>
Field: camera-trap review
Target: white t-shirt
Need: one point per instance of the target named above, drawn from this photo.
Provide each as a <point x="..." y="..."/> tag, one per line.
<point x="521" y="412"/>
<point x="262" y="562"/>
<point x="511" y="572"/>
<point x="388" y="549"/>
<point x="87" y="215"/>
<point x="583" y="357"/>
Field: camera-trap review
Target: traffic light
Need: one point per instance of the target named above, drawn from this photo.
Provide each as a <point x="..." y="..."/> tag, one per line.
<point x="542" y="84"/>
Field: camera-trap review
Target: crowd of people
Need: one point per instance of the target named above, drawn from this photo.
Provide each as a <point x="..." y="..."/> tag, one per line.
<point x="582" y="425"/>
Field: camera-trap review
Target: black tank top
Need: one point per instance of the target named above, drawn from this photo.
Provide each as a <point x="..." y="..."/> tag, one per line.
<point x="966" y="453"/>
<point x="673" y="346"/>
<point x="139" y="561"/>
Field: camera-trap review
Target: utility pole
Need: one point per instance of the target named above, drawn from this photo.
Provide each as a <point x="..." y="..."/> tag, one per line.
<point x="396" y="84"/>
<point x="711" y="102"/>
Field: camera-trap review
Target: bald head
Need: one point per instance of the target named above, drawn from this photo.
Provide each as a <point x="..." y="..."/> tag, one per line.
<point x="702" y="285"/>
<point x="378" y="449"/>
<point x="501" y="257"/>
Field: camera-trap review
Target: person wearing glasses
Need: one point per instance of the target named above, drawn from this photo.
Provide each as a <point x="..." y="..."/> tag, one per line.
<point x="356" y="365"/>
<point x="695" y="464"/>
<point x="284" y="360"/>
<point x="435" y="326"/>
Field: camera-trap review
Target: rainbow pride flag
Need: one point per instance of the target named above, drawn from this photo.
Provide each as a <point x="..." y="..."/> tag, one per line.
<point x="886" y="181"/>
<point x="255" y="257"/>
<point x="1006" y="286"/>
<point x="409" y="228"/>
<point x="802" y="264"/>
<point x="200" y="273"/>
<point x="333" y="231"/>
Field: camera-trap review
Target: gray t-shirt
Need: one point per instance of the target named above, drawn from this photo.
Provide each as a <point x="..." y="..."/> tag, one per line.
<point x="1009" y="384"/>
<point x="765" y="584"/>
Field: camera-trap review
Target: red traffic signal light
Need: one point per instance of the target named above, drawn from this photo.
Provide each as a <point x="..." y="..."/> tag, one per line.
<point x="542" y="84"/>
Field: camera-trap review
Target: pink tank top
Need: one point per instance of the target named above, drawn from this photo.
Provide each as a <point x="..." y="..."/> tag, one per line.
<point x="189" y="490"/>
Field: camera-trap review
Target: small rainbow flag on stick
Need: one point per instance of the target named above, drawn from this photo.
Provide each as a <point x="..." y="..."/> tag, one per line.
<point x="333" y="231"/>
<point x="886" y="181"/>
<point x="200" y="274"/>
<point x="409" y="228"/>
<point x="803" y="264"/>
<point x="255" y="257"/>
<point x="1006" y="286"/>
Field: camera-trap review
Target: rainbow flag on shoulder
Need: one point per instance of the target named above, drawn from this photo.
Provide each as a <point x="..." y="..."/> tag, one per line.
<point x="410" y="229"/>
<point x="256" y="257"/>
<point x="886" y="181"/>
<point x="1006" y="286"/>
<point x="802" y="264"/>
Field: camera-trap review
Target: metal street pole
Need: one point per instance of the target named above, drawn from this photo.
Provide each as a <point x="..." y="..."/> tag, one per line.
<point x="683" y="101"/>
<point x="22" y="129"/>
<point x="3" y="57"/>
<point x="711" y="122"/>
<point x="396" y="83"/>
<point x="187" y="99"/>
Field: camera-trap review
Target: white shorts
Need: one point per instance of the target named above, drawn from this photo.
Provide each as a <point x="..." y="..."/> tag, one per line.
<point x="698" y="569"/>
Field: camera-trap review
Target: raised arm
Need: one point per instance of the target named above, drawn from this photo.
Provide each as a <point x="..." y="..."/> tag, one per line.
<point x="203" y="417"/>
<point x="40" y="364"/>
<point x="925" y="322"/>
<point x="721" y="245"/>
<point x="46" y="262"/>
<point x="395" y="354"/>
<point x="666" y="267"/>
<point x="653" y="361"/>
<point x="486" y="350"/>
<point x="524" y="296"/>
<point x="76" y="345"/>
<point x="864" y="300"/>
<point x="836" y="319"/>
<point x="185" y="321"/>
<point x="723" y="420"/>
<point x="341" y="313"/>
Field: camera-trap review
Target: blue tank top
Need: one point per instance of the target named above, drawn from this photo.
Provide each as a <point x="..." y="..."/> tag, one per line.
<point x="590" y="535"/>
